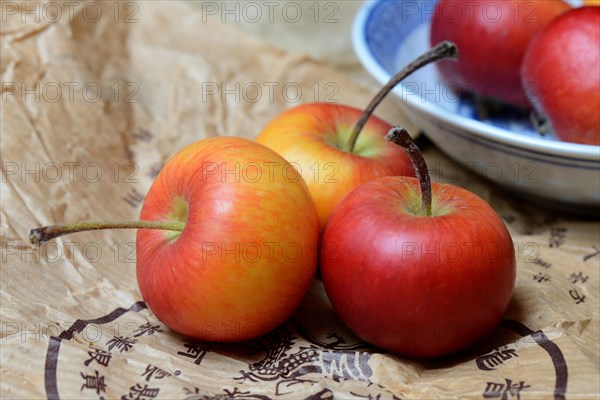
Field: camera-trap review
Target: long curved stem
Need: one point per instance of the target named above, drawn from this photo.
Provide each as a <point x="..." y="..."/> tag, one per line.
<point x="442" y="50"/>
<point x="43" y="234"/>
<point x="401" y="137"/>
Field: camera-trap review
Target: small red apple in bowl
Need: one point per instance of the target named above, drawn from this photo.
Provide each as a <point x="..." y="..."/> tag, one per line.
<point x="336" y="147"/>
<point x="227" y="242"/>
<point x="418" y="269"/>
<point x="492" y="37"/>
<point x="562" y="70"/>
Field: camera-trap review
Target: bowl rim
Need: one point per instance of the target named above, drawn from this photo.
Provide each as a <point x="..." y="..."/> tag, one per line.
<point x="478" y="128"/>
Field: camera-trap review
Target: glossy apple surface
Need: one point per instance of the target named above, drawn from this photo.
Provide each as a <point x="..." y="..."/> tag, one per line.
<point x="562" y="64"/>
<point x="313" y="137"/>
<point x="416" y="285"/>
<point x="247" y="253"/>
<point x="492" y="37"/>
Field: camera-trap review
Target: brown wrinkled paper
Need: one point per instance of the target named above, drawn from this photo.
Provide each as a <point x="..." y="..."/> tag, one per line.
<point x="116" y="96"/>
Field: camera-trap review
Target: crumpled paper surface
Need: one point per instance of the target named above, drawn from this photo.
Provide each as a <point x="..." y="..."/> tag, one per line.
<point x="96" y="96"/>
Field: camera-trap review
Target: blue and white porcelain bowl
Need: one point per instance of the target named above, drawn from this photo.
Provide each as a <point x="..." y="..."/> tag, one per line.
<point x="504" y="148"/>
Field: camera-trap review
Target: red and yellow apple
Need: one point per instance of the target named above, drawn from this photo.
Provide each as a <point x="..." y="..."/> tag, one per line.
<point x="337" y="147"/>
<point x="227" y="242"/>
<point x="314" y="138"/>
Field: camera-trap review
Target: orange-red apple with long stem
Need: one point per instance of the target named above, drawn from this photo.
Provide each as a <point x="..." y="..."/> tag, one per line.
<point x="330" y="148"/>
<point x="226" y="246"/>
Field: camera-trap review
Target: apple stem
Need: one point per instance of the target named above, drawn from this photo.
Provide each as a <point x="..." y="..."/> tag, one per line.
<point x="401" y="137"/>
<point x="43" y="234"/>
<point x="442" y="50"/>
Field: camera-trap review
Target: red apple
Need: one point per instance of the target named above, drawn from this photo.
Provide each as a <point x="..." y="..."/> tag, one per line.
<point x="322" y="141"/>
<point x="230" y="239"/>
<point x="492" y="37"/>
<point x="420" y="277"/>
<point x="562" y="67"/>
